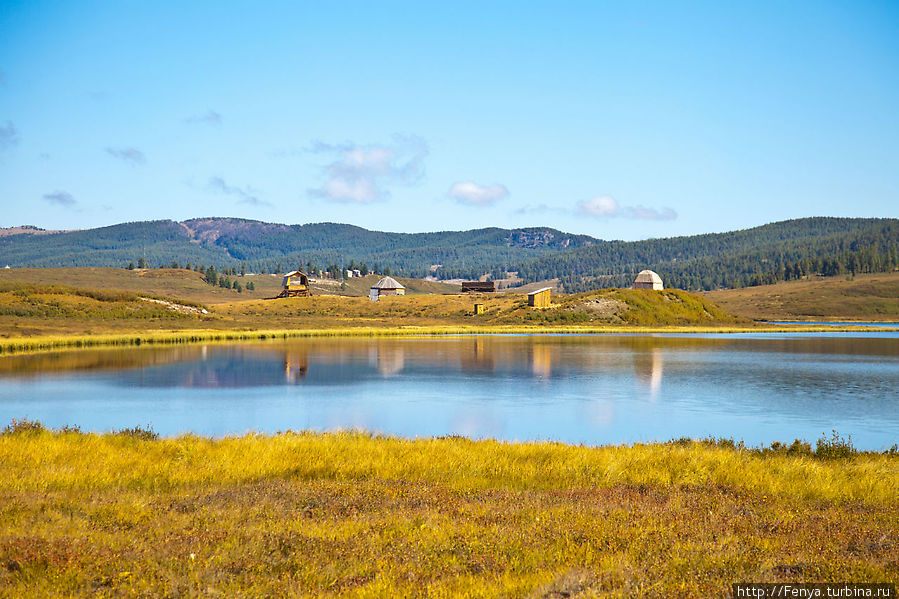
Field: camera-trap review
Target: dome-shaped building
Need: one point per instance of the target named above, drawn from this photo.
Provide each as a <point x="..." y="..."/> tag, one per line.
<point x="648" y="279"/>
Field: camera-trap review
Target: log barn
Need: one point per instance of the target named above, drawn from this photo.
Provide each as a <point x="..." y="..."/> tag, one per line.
<point x="478" y="286"/>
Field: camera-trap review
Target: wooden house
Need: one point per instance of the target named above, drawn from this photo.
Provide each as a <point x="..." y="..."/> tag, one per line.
<point x="295" y="284"/>
<point x="539" y="298"/>
<point x="648" y="279"/>
<point x="478" y="286"/>
<point x="386" y="286"/>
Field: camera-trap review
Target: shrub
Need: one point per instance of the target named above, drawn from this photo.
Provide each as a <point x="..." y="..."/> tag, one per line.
<point x="23" y="427"/>
<point x="137" y="432"/>
<point x="724" y="443"/>
<point x="835" y="448"/>
<point x="796" y="448"/>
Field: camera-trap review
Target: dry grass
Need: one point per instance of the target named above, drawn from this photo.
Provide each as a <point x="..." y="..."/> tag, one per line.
<point x="182" y="284"/>
<point x="35" y="315"/>
<point x="863" y="298"/>
<point x="191" y="286"/>
<point x="355" y="515"/>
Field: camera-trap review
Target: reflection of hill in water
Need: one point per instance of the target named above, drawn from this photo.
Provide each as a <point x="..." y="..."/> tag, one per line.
<point x="348" y="361"/>
<point x="97" y="359"/>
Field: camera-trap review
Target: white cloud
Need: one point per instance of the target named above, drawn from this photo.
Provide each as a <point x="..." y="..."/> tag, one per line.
<point x="472" y="194"/>
<point x="361" y="174"/>
<point x="608" y="207"/>
<point x="601" y="206"/>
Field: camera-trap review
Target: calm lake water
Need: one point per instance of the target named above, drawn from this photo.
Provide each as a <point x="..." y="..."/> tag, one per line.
<point x="579" y="389"/>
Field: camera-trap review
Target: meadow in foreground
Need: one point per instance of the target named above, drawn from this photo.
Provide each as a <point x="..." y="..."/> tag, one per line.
<point x="351" y="514"/>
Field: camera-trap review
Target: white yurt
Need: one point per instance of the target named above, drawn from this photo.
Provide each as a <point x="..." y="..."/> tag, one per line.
<point x="648" y="279"/>
<point x="387" y="286"/>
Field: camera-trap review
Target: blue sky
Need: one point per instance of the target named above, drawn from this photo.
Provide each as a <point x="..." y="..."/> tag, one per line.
<point x="619" y="120"/>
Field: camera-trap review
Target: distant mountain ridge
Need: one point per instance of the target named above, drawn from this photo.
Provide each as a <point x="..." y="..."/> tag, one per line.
<point x="776" y="251"/>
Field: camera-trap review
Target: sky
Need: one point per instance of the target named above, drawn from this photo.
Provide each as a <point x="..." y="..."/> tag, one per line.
<point x="620" y="120"/>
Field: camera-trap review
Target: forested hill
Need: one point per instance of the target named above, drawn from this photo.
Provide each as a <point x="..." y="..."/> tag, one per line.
<point x="225" y="242"/>
<point x="777" y="251"/>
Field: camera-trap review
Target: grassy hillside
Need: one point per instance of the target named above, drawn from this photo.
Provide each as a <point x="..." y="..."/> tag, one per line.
<point x="63" y="301"/>
<point x="177" y="283"/>
<point x="872" y="297"/>
<point x="191" y="286"/>
<point x="355" y="515"/>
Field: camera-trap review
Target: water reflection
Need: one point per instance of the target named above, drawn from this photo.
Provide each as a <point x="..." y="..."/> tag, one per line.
<point x="296" y="364"/>
<point x="541" y="361"/>
<point x="648" y="368"/>
<point x="587" y="389"/>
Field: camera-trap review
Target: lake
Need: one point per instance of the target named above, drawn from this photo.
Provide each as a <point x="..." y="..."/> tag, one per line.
<point x="590" y="389"/>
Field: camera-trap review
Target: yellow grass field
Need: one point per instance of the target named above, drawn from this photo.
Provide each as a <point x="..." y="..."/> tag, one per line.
<point x="350" y="514"/>
<point x="95" y="302"/>
<point x="873" y="297"/>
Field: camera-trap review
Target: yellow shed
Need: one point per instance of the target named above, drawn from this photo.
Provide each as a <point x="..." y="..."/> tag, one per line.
<point x="295" y="284"/>
<point x="539" y="298"/>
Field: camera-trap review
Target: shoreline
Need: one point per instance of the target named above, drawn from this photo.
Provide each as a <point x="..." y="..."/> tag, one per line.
<point x="39" y="343"/>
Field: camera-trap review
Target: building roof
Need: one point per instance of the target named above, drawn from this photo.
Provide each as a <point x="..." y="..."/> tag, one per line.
<point x="387" y="283"/>
<point x="540" y="290"/>
<point x="648" y="276"/>
<point x="290" y="274"/>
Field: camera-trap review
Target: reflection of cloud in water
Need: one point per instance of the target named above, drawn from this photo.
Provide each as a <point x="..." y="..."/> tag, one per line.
<point x="648" y="367"/>
<point x="477" y="422"/>
<point x="601" y="413"/>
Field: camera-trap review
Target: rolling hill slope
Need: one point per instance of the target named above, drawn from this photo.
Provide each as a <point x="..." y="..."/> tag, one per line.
<point x="774" y="252"/>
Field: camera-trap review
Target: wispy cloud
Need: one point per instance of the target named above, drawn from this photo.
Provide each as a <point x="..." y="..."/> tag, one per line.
<point x="288" y="152"/>
<point x="210" y="117"/>
<point x="643" y="213"/>
<point x="60" y="198"/>
<point x="608" y="207"/>
<point x="130" y="155"/>
<point x="472" y="194"/>
<point x="540" y="209"/>
<point x="244" y="195"/>
<point x="361" y="174"/>
<point x="9" y="135"/>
